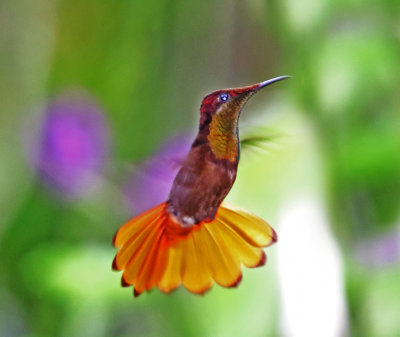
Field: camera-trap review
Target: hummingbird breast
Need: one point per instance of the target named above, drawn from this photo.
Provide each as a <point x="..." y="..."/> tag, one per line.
<point x="200" y="186"/>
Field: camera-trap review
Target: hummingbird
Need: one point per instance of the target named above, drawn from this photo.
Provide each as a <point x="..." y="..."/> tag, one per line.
<point x="195" y="238"/>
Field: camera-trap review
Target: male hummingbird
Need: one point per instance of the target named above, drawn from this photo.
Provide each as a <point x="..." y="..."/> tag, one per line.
<point x="194" y="238"/>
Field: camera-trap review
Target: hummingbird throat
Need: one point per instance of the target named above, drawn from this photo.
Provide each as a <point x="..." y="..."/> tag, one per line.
<point x="223" y="135"/>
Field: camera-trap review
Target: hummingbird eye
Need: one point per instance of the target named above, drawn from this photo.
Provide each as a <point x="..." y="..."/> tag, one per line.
<point x="223" y="97"/>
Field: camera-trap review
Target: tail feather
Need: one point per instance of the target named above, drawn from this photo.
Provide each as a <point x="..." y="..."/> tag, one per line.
<point x="249" y="255"/>
<point x="155" y="251"/>
<point x="249" y="226"/>
<point x="130" y="228"/>
<point x="138" y="257"/>
<point x="158" y="262"/>
<point x="170" y="272"/>
<point x="144" y="276"/>
<point x="195" y="274"/>
<point x="133" y="245"/>
<point x="225" y="268"/>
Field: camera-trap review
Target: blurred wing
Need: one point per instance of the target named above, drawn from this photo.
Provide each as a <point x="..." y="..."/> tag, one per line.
<point x="261" y="138"/>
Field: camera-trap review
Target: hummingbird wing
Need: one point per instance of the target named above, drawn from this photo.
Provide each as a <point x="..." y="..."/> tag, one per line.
<point x="259" y="138"/>
<point x="155" y="251"/>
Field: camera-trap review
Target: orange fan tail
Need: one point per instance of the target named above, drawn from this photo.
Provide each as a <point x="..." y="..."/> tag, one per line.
<point x="156" y="251"/>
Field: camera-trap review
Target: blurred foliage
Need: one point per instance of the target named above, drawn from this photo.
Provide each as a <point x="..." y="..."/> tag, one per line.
<point x="148" y="64"/>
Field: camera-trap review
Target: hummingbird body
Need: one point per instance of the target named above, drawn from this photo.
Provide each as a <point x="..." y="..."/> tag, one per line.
<point x="200" y="186"/>
<point x="195" y="238"/>
<point x="209" y="170"/>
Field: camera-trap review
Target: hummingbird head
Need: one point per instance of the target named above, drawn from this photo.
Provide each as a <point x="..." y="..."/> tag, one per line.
<point x="229" y="102"/>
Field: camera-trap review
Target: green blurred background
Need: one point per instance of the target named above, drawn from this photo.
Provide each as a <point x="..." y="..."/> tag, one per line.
<point x="329" y="183"/>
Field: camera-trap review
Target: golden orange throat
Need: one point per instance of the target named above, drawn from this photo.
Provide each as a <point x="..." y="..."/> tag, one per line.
<point x="223" y="136"/>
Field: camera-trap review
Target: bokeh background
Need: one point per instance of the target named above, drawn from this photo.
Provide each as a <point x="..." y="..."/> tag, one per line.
<point x="99" y="100"/>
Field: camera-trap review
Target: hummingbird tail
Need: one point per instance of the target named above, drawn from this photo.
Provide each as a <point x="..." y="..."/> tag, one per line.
<point x="155" y="251"/>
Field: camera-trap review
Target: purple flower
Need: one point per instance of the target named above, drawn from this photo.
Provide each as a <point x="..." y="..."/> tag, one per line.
<point x="150" y="184"/>
<point x="381" y="251"/>
<point x="72" y="145"/>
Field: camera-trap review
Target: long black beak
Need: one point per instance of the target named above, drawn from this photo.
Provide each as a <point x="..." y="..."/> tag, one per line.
<point x="270" y="81"/>
<point x="244" y="93"/>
